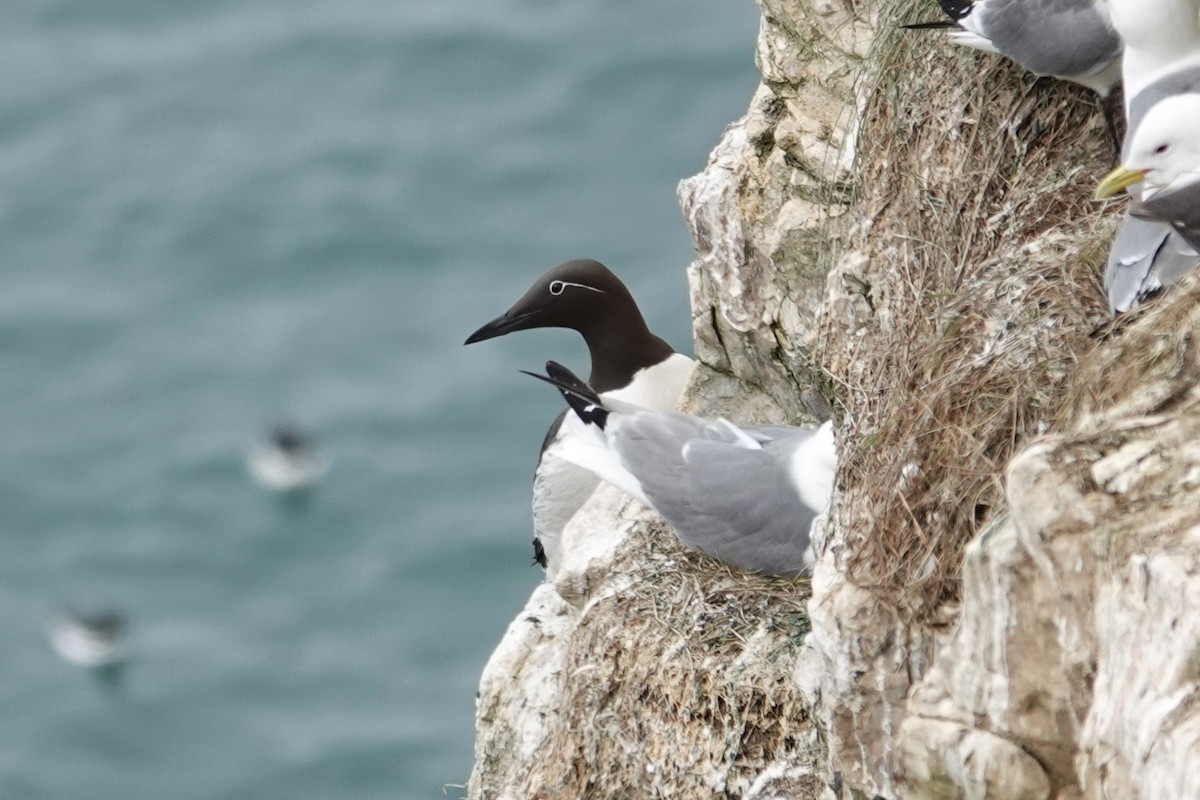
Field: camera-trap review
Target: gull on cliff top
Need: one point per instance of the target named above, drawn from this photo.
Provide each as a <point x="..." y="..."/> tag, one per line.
<point x="745" y="496"/>
<point x="1161" y="61"/>
<point x="1069" y="39"/>
<point x="1163" y="158"/>
<point x="1162" y="53"/>
<point x="629" y="363"/>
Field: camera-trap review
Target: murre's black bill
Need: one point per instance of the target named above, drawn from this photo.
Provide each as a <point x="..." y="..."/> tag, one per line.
<point x="505" y="323"/>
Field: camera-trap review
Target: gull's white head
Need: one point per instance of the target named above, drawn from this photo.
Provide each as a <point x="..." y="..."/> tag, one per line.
<point x="1164" y="152"/>
<point x="1166" y="145"/>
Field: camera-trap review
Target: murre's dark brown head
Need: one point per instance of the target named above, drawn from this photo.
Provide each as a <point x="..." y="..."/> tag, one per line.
<point x="585" y="296"/>
<point x="580" y="294"/>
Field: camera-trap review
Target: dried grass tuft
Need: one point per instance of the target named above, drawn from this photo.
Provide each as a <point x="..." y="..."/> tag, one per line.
<point x="679" y="684"/>
<point x="1149" y="365"/>
<point x="980" y="255"/>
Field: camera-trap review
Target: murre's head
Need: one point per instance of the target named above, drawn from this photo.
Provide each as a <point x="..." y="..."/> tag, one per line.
<point x="106" y="624"/>
<point x="1164" y="152"/>
<point x="582" y="295"/>
<point x="288" y="438"/>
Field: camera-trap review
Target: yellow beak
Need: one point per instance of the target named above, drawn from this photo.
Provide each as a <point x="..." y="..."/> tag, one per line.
<point x="1120" y="178"/>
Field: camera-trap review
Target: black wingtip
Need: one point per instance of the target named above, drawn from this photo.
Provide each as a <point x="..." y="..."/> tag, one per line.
<point x="956" y="9"/>
<point x="936" y="24"/>
<point x="582" y="399"/>
<point x="566" y="379"/>
<point x="566" y="388"/>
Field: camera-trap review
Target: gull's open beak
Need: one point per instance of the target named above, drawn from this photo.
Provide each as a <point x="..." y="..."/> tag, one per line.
<point x="1120" y="178"/>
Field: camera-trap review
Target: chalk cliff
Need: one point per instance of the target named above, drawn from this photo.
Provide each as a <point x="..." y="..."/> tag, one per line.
<point x="897" y="233"/>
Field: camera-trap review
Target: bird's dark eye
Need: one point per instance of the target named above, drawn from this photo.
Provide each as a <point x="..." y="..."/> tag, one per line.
<point x="556" y="287"/>
<point x="1162" y="148"/>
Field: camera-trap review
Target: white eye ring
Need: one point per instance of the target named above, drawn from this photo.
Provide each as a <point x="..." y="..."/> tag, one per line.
<point x="557" y="287"/>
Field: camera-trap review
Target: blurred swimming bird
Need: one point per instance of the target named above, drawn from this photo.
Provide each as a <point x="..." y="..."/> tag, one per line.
<point x="746" y="496"/>
<point x="92" y="640"/>
<point x="1069" y="39"/>
<point x="629" y="363"/>
<point x="287" y="461"/>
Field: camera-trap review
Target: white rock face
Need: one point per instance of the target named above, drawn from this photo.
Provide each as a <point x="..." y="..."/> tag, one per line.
<point x="1141" y="737"/>
<point x="518" y="693"/>
<point x="645" y="665"/>
<point x="519" y="701"/>
<point x="874" y="239"/>
<point x="1077" y="641"/>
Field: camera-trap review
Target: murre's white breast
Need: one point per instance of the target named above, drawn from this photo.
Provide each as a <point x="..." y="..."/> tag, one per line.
<point x="278" y="470"/>
<point x="658" y="387"/>
<point x="560" y="488"/>
<point x="79" y="644"/>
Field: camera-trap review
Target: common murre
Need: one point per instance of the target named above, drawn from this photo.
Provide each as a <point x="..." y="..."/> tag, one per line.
<point x="93" y="640"/>
<point x="287" y="461"/>
<point x="629" y="363"/>
<point x="746" y="496"/>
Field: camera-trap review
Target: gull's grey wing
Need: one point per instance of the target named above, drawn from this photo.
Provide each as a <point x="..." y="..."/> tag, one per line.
<point x="721" y="494"/>
<point x="742" y="509"/>
<point x="1176" y="259"/>
<point x="1146" y="256"/>
<point x="652" y="441"/>
<point x="1051" y="37"/>
<point x="1180" y="209"/>
<point x="770" y="433"/>
<point x="649" y="446"/>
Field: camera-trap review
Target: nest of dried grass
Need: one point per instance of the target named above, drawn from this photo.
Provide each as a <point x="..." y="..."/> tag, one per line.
<point x="980" y="254"/>
<point x="1150" y="363"/>
<point x="679" y="683"/>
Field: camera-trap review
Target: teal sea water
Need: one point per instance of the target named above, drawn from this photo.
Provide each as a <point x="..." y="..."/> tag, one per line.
<point x="217" y="214"/>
